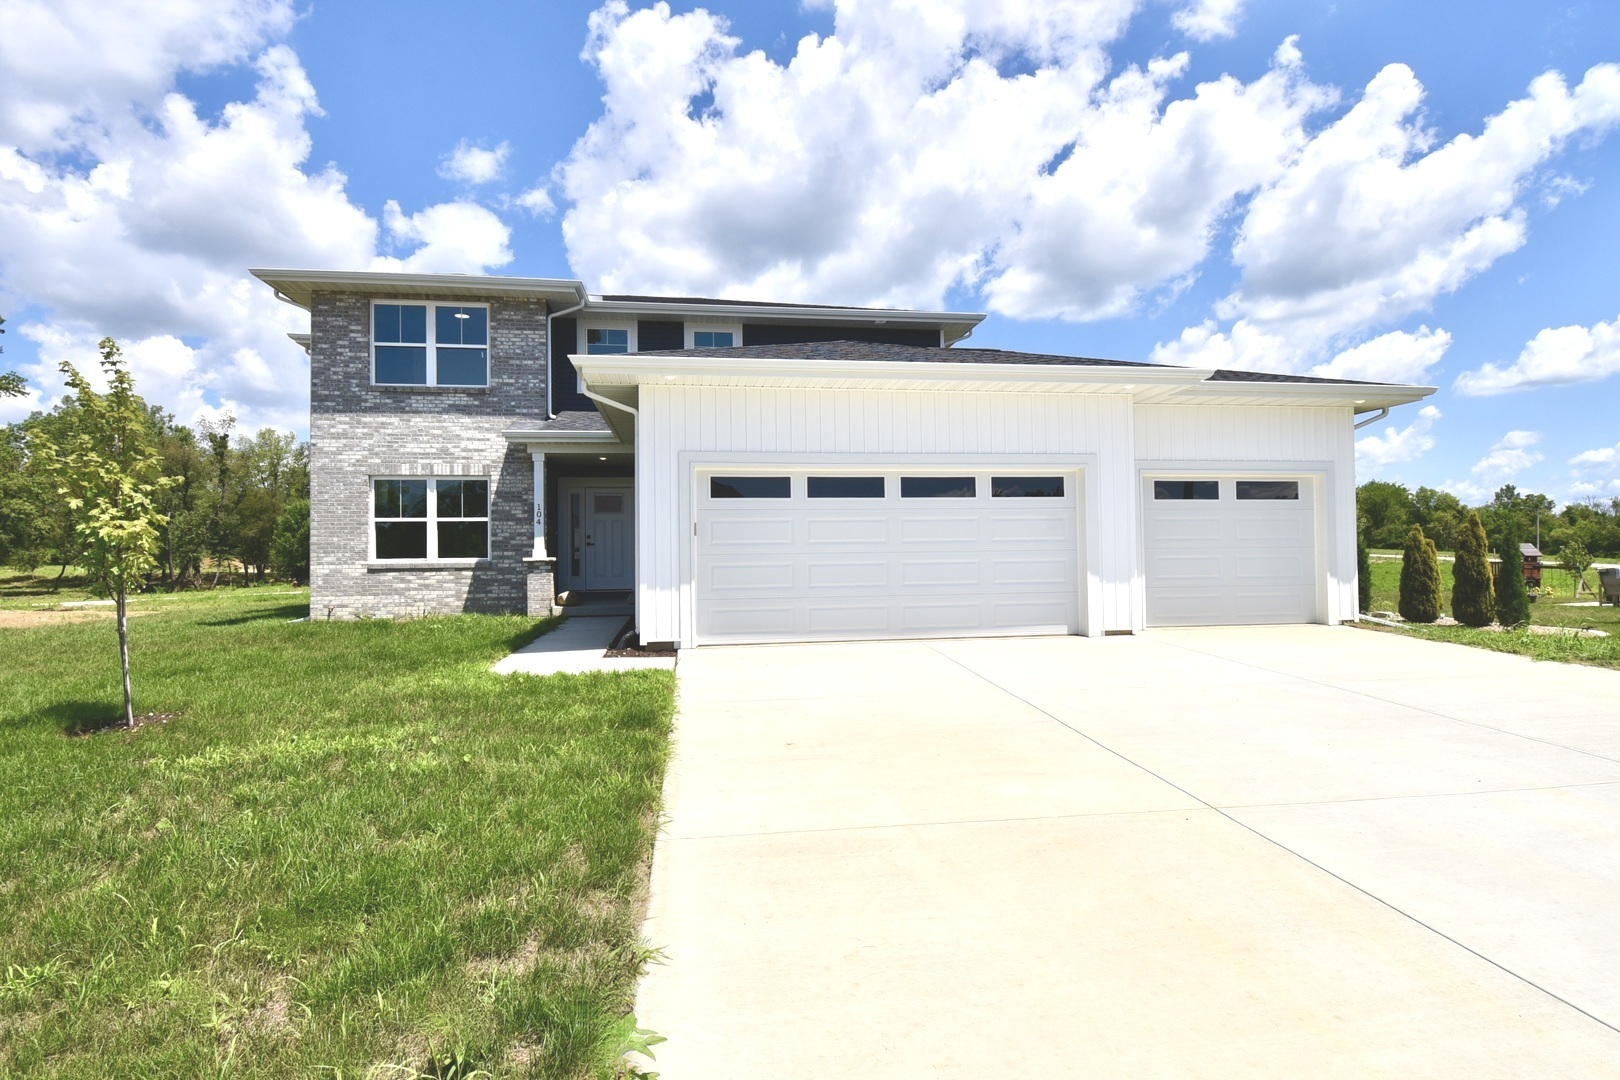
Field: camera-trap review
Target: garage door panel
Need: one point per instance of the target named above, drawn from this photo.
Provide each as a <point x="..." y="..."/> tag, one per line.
<point x="838" y="574"/>
<point x="1023" y="573"/>
<point x="1186" y="528"/>
<point x="742" y="532"/>
<point x="1277" y="530"/>
<point x="962" y="573"/>
<point x="1029" y="528"/>
<point x="748" y="576"/>
<point x="856" y="618"/>
<point x="933" y="529"/>
<point x="1165" y="568"/>
<point x="801" y="569"/>
<point x="841" y="530"/>
<point x="1222" y="560"/>
<point x="921" y="617"/>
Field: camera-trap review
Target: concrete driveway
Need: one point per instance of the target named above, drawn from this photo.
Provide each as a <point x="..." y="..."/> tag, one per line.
<point x="1300" y="851"/>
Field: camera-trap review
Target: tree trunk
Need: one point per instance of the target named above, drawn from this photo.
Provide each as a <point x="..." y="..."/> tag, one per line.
<point x="123" y="655"/>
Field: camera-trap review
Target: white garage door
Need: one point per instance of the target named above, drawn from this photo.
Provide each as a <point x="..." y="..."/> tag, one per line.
<point x="819" y="555"/>
<point x="1227" y="551"/>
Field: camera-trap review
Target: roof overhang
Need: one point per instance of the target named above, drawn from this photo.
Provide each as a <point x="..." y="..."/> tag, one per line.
<point x="298" y="287"/>
<point x="619" y="377"/>
<point x="953" y="325"/>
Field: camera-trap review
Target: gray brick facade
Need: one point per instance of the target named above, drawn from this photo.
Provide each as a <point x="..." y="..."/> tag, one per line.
<point x="359" y="431"/>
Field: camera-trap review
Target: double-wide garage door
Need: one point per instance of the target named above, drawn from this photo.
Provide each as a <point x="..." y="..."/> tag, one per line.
<point x="1229" y="551"/>
<point x="808" y="554"/>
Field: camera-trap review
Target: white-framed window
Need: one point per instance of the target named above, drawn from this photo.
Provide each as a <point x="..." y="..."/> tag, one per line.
<point x="427" y="344"/>
<point x="421" y="518"/>
<point x="605" y="339"/>
<point x="713" y="335"/>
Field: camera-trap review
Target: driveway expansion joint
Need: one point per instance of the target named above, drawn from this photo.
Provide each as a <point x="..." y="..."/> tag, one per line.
<point x="1388" y="905"/>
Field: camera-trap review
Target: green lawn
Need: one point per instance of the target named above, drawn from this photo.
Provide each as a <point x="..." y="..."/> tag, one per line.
<point x="1554" y="610"/>
<point x="354" y="853"/>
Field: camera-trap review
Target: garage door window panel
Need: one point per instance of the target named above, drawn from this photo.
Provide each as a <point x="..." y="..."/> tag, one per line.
<point x="1026" y="487"/>
<point x="938" y="487"/>
<point x="845" y="487"/>
<point x="750" y="487"/>
<point x="1257" y="490"/>
<point x="1190" y="490"/>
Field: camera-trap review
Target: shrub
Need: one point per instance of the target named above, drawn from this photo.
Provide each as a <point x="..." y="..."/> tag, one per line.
<point x="1512" y="598"/>
<point x="1473" y="597"/>
<point x="1420" y="579"/>
<point x="1363" y="574"/>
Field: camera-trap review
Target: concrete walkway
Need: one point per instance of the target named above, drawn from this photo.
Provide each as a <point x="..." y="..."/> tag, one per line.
<point x="1275" y="852"/>
<point x="576" y="647"/>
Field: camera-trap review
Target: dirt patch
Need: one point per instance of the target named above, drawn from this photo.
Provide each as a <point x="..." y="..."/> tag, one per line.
<point x="27" y="620"/>
<point x="624" y="644"/>
<point x="116" y="723"/>
<point x="494" y="967"/>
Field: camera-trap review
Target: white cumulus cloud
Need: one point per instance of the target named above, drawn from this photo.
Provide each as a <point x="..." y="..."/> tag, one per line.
<point x="472" y="164"/>
<point x="1509" y="456"/>
<point x="1558" y="356"/>
<point x="124" y="212"/>
<point x="1395" y="357"/>
<point x="1396" y="445"/>
<point x="1601" y="458"/>
<point x="1372" y="221"/>
<point x="1206" y="20"/>
<point x="916" y="149"/>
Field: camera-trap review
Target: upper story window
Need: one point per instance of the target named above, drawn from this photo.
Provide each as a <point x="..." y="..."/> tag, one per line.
<point x="604" y="341"/>
<point x="713" y="336"/>
<point x="430" y="344"/>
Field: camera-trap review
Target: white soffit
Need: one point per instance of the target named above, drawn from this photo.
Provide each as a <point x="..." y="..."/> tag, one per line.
<point x="298" y="287"/>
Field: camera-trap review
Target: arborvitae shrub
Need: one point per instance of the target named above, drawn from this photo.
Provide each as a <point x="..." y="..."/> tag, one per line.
<point x="1420" y="579"/>
<point x="1363" y="573"/>
<point x="1512" y="599"/>
<point x="1473" y="596"/>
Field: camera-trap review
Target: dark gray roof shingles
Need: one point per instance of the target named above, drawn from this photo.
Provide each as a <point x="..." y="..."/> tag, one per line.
<point x="859" y="351"/>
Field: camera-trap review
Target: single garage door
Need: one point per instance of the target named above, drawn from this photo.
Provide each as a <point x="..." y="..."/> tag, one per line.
<point x="818" y="555"/>
<point x="1229" y="551"/>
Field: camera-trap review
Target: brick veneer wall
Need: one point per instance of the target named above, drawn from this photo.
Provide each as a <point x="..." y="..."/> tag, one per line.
<point x="359" y="431"/>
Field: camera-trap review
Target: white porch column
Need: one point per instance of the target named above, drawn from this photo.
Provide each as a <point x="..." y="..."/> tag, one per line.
<point x="539" y="505"/>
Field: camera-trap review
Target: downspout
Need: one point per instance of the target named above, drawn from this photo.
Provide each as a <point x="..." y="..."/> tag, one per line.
<point x="549" y="346"/>
<point x="1373" y="419"/>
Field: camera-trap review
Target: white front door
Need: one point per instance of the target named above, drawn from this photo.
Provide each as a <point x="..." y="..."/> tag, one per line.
<point x="609" y="527"/>
<point x="801" y="554"/>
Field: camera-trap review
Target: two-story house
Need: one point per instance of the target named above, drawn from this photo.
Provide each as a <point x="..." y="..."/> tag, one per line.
<point x="753" y="471"/>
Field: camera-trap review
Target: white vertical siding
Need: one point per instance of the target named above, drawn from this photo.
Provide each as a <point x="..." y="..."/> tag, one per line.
<point x="1270" y="436"/>
<point x="678" y="420"/>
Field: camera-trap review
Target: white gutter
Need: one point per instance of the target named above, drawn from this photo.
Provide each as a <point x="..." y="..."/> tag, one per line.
<point x="633" y="369"/>
<point x="550" y="415"/>
<point x="634" y="415"/>
<point x="1373" y="419"/>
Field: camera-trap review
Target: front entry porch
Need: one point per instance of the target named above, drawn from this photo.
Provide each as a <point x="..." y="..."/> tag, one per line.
<point x="583" y="526"/>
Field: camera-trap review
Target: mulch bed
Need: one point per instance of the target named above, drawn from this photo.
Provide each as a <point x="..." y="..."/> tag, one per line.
<point x="111" y="724"/>
<point x="624" y="644"/>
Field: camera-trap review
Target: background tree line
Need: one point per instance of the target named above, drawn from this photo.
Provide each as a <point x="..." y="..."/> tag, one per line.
<point x="237" y="509"/>
<point x="1388" y="511"/>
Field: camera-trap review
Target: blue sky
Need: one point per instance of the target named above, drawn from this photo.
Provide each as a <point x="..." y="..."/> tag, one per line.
<point x="1423" y="192"/>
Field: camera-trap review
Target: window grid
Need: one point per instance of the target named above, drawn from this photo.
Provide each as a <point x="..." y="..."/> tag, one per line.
<point x="438" y="520"/>
<point x="431" y="344"/>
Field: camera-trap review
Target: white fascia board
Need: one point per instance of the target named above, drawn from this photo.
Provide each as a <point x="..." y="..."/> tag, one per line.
<point x="1362" y="397"/>
<point x="536" y="435"/>
<point x="602" y="371"/>
<point x="298" y="287"/>
<point x="744" y="312"/>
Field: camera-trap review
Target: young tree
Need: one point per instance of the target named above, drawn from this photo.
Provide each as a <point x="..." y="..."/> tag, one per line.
<point x="1512" y="599"/>
<point x="1577" y="559"/>
<point x="108" y="473"/>
<point x="289" y="548"/>
<point x="11" y="383"/>
<point x="1420" y="579"/>
<point x="1473" y="597"/>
